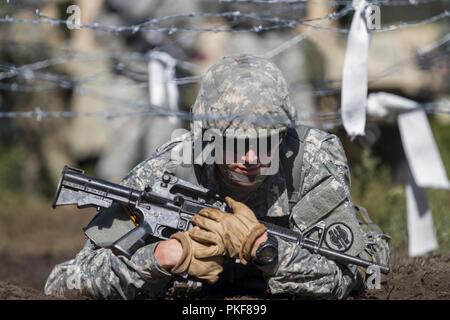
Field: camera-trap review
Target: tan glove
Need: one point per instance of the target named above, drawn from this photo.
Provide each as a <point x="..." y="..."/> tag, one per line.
<point x="238" y="231"/>
<point x="201" y="259"/>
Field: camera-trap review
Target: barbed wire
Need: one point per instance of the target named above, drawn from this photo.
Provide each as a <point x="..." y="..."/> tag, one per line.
<point x="66" y="82"/>
<point x="333" y="2"/>
<point x="325" y="120"/>
<point x="276" y="23"/>
<point x="394" y="27"/>
<point x="141" y="105"/>
<point x="267" y="2"/>
<point x="334" y="16"/>
<point x="35" y="71"/>
<point x="400" y="64"/>
<point x="26" y="70"/>
<point x="152" y="24"/>
<point x="78" y="84"/>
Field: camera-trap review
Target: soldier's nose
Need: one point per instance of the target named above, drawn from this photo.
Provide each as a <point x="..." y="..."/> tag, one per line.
<point x="250" y="157"/>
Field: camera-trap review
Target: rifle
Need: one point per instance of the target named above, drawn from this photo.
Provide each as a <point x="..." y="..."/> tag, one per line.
<point x="167" y="207"/>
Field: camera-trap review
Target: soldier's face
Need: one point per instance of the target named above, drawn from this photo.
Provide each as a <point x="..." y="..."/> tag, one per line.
<point x="244" y="160"/>
<point x="248" y="164"/>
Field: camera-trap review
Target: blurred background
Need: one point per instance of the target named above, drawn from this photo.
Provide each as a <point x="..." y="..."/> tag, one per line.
<point x="103" y="97"/>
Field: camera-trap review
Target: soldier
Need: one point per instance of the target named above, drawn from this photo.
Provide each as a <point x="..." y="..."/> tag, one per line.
<point x="310" y="184"/>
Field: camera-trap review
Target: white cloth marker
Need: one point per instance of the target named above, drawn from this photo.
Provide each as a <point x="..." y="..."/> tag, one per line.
<point x="383" y="104"/>
<point x="421" y="233"/>
<point x="425" y="166"/>
<point x="163" y="90"/>
<point x="354" y="75"/>
<point x="421" y="150"/>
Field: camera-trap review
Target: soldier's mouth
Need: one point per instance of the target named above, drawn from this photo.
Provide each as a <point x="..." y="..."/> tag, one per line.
<point x="248" y="170"/>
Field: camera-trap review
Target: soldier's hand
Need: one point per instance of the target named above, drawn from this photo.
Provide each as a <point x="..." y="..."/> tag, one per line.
<point x="168" y="253"/>
<point x="238" y="231"/>
<point x="201" y="259"/>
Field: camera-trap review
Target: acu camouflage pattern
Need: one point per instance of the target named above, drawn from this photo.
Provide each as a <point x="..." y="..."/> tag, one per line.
<point x="100" y="274"/>
<point x="243" y="92"/>
<point x="325" y="195"/>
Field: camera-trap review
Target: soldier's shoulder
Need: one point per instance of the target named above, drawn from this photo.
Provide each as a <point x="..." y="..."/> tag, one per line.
<point x="316" y="136"/>
<point x="160" y="161"/>
<point x="317" y="139"/>
<point x="177" y="141"/>
<point x="325" y="144"/>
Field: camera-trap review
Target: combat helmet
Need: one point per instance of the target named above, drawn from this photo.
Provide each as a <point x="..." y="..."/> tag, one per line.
<point x="243" y="92"/>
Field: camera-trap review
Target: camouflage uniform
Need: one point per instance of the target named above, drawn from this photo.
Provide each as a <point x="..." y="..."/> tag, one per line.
<point x="324" y="195"/>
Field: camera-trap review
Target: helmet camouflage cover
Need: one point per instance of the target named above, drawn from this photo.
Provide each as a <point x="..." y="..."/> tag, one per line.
<point x="243" y="92"/>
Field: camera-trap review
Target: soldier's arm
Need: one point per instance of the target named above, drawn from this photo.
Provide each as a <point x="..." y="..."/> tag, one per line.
<point x="96" y="272"/>
<point x="300" y="272"/>
<point x="99" y="274"/>
<point x="326" y="188"/>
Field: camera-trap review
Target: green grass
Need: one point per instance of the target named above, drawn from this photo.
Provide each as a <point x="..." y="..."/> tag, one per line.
<point x="386" y="203"/>
<point x="11" y="173"/>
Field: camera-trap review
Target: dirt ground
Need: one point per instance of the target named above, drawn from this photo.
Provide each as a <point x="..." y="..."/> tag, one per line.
<point x="33" y="242"/>
<point x="24" y="278"/>
<point x="415" y="279"/>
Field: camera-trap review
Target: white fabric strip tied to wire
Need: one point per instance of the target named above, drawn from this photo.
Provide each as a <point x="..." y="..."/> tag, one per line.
<point x="425" y="166"/>
<point x="421" y="233"/>
<point x="354" y="75"/>
<point x="426" y="169"/>
<point x="163" y="90"/>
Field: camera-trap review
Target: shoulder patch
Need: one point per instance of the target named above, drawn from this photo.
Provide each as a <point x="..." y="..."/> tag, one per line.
<point x="339" y="237"/>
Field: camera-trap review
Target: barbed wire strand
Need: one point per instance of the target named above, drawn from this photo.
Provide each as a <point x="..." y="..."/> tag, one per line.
<point x="152" y="24"/>
<point x="331" y="121"/>
<point x="333" y="2"/>
<point x="72" y="83"/>
<point x="30" y="72"/>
